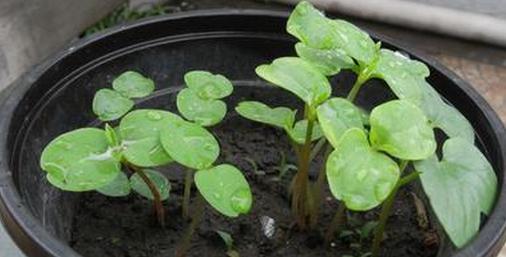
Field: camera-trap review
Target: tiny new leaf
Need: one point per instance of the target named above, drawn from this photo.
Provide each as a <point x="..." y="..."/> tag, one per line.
<point x="281" y="117"/>
<point x="119" y="187"/>
<point x="159" y="181"/>
<point x="299" y="77"/>
<point x="80" y="160"/>
<point x="208" y="85"/>
<point x="132" y="84"/>
<point x="358" y="175"/>
<point x="298" y="132"/>
<point x="328" y="62"/>
<point x="401" y="129"/>
<point x="140" y="134"/>
<point x="460" y="187"/>
<point x="190" y="144"/>
<point x="205" y="112"/>
<point x="336" y="116"/>
<point x="110" y="105"/>
<point x="225" y="189"/>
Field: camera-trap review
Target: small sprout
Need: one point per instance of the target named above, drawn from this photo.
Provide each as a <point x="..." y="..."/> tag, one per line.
<point x="366" y="229"/>
<point x="132" y="84"/>
<point x="229" y="242"/>
<point x="80" y="160"/>
<point x="110" y="105"/>
<point x="190" y="144"/>
<point x="284" y="167"/>
<point x="208" y="85"/>
<point x="159" y="181"/>
<point x="254" y="165"/>
<point x="119" y="187"/>
<point x="225" y="189"/>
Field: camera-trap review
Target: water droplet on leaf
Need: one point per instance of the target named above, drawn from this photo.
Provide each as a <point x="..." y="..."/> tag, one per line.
<point x="154" y="115"/>
<point x="241" y="200"/>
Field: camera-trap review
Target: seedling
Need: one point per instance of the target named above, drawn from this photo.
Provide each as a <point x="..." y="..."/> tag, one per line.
<point x="372" y="151"/>
<point x="229" y="242"/>
<point x="89" y="159"/>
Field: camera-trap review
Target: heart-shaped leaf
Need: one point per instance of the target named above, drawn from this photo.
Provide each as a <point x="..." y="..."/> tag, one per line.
<point x="80" y="160"/>
<point x="401" y="129"/>
<point x="140" y="134"/>
<point x="110" y="105"/>
<point x="190" y="144"/>
<point x="298" y="132"/>
<point x="132" y="84"/>
<point x="460" y="187"/>
<point x="328" y="62"/>
<point x="358" y="175"/>
<point x="225" y="189"/>
<point x="281" y="117"/>
<point x="205" y="112"/>
<point x="119" y="187"/>
<point x="336" y="116"/>
<point x="159" y="181"/>
<point x="208" y="85"/>
<point x="299" y="77"/>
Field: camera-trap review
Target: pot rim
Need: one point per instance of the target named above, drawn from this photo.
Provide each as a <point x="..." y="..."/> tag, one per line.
<point x="32" y="238"/>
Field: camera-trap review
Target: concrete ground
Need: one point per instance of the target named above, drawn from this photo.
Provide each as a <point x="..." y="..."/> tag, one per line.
<point x="482" y="65"/>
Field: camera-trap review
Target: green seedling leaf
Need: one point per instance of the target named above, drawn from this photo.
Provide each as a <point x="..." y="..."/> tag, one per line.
<point x="328" y="62"/>
<point x="354" y="41"/>
<point x="358" y="175"/>
<point x="80" y="160"/>
<point x="225" y="188"/>
<point x="201" y="111"/>
<point x="401" y="129"/>
<point x="140" y="132"/>
<point x="157" y="178"/>
<point x="110" y="105"/>
<point x="132" y="84"/>
<point x="227" y="239"/>
<point x="119" y="187"/>
<point x="460" y="187"/>
<point x="281" y="117"/>
<point x="208" y="85"/>
<point x="367" y="228"/>
<point x="297" y="76"/>
<point x="336" y="116"/>
<point x="111" y="135"/>
<point x="190" y="144"/>
<point x="298" y="132"/>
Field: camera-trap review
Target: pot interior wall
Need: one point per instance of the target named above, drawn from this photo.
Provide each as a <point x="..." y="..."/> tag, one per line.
<point x="57" y="104"/>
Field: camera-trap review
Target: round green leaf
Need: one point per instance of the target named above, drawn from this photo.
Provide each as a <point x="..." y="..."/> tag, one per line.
<point x="298" y="132"/>
<point x="132" y="84"/>
<point x="299" y="77"/>
<point x="120" y="186"/>
<point x="280" y="116"/>
<point x="225" y="188"/>
<point x="190" y="144"/>
<point x="401" y="129"/>
<point x="140" y="134"/>
<point x="110" y="105"/>
<point x="80" y="160"/>
<point x="208" y="85"/>
<point x="337" y="115"/>
<point x="358" y="175"/>
<point x="205" y="112"/>
<point x="328" y="62"/>
<point x="159" y="181"/>
<point x="460" y="187"/>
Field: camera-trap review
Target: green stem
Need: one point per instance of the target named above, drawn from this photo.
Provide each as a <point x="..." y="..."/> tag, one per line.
<point x="362" y="78"/>
<point x="317" y="148"/>
<point x="301" y="180"/>
<point x="337" y="223"/>
<point x="386" y="209"/>
<point x="198" y="214"/>
<point x="318" y="188"/>
<point x="188" y="181"/>
<point x="157" y="202"/>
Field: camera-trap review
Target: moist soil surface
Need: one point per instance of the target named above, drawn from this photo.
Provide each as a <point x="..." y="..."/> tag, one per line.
<point x="126" y="227"/>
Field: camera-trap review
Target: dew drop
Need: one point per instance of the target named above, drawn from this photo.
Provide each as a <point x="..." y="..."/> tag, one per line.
<point x="152" y="115"/>
<point x="240" y="200"/>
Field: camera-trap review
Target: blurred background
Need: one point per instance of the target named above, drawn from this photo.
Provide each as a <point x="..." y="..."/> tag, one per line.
<point x="468" y="36"/>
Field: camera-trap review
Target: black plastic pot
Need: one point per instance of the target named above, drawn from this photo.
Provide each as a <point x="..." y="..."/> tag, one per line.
<point x="56" y="97"/>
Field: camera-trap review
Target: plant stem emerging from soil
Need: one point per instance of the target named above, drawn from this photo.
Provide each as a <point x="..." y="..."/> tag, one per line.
<point x="386" y="209"/>
<point x="300" y="192"/>
<point x="157" y="202"/>
<point x="188" y="181"/>
<point x="198" y="214"/>
<point x="318" y="188"/>
<point x="337" y="224"/>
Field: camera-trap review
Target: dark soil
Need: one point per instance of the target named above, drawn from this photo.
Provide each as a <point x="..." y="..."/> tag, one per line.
<point x="114" y="227"/>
